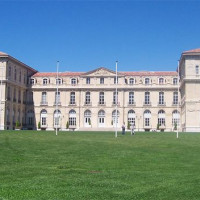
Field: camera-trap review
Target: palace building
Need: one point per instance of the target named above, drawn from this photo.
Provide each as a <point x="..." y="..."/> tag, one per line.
<point x="88" y="100"/>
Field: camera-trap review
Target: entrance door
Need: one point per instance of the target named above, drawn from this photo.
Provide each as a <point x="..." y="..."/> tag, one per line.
<point x="101" y="122"/>
<point x="87" y="122"/>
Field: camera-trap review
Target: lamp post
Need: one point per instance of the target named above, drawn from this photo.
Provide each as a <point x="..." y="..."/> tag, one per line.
<point x="1" y="88"/>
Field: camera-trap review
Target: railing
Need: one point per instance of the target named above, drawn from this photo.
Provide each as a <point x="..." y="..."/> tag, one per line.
<point x="43" y="103"/>
<point x="131" y="103"/>
<point x="72" y="103"/>
<point x="147" y="104"/>
<point x="59" y="103"/>
<point x="88" y="104"/>
<point x="114" y="103"/>
<point x="101" y="103"/>
<point x="161" y="104"/>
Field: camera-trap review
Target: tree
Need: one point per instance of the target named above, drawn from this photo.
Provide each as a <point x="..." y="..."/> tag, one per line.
<point x="89" y="121"/>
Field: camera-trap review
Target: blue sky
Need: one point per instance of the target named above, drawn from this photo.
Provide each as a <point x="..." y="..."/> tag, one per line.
<point x="84" y="35"/>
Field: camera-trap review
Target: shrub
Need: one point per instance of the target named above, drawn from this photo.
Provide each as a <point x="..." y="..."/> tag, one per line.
<point x="175" y="126"/>
<point x="17" y="124"/>
<point x="39" y="126"/>
<point x="67" y="125"/>
<point x="129" y="124"/>
<point x="158" y="126"/>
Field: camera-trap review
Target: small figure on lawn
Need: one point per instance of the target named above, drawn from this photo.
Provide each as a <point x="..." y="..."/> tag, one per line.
<point x="123" y="129"/>
<point x="132" y="129"/>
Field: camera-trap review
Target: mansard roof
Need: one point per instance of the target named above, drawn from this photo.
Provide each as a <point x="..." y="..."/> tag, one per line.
<point x="150" y="73"/>
<point x="192" y="51"/>
<point x="142" y="73"/>
<point x="3" y="54"/>
<point x="54" y="74"/>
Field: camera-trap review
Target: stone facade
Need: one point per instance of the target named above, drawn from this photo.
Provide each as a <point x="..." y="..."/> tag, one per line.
<point x="88" y="100"/>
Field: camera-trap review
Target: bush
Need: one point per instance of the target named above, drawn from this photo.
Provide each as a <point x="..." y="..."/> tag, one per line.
<point x="112" y="122"/>
<point x="158" y="126"/>
<point x="129" y="124"/>
<point x="39" y="126"/>
<point x="175" y="126"/>
<point x="67" y="125"/>
<point x="17" y="124"/>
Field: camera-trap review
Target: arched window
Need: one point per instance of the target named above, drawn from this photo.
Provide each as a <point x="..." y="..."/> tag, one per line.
<point x="43" y="118"/>
<point x="58" y="81"/>
<point x="131" y="81"/>
<point x="72" y="118"/>
<point x="101" y="118"/>
<point x="175" y="118"/>
<point x="161" y="118"/>
<point x="45" y="81"/>
<point x="161" y="81"/>
<point x="147" y="81"/>
<point x="73" y="81"/>
<point x="131" y="117"/>
<point x="57" y="118"/>
<point x="115" y="118"/>
<point x="147" y="118"/>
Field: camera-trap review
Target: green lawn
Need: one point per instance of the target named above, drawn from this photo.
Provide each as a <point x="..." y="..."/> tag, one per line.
<point x="96" y="165"/>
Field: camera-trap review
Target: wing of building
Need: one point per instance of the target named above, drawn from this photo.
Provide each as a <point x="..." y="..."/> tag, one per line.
<point x="88" y="100"/>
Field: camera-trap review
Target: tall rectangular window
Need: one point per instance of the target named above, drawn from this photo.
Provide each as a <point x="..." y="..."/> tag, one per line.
<point x="175" y="98"/>
<point x="87" y="80"/>
<point x="175" y="81"/>
<point x="101" y="98"/>
<point x="72" y="98"/>
<point x="101" y="80"/>
<point x="115" y="98"/>
<point x="147" y="98"/>
<point x="44" y="97"/>
<point x="131" y="98"/>
<point x="161" y="98"/>
<point x="87" y="98"/>
<point x="57" y="97"/>
<point x="197" y="70"/>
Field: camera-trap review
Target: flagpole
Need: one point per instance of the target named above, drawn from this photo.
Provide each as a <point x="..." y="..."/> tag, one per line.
<point x="56" y="121"/>
<point x="178" y="101"/>
<point x="116" y="101"/>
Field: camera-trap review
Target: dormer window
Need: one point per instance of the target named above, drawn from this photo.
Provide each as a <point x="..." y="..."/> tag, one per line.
<point x="115" y="80"/>
<point x="88" y="80"/>
<point x="175" y="81"/>
<point x="45" y="81"/>
<point x="197" y="70"/>
<point x="131" y="81"/>
<point x="73" y="81"/>
<point x="101" y="80"/>
<point x="32" y="81"/>
<point x="58" y="81"/>
<point x="161" y="81"/>
<point x="147" y="81"/>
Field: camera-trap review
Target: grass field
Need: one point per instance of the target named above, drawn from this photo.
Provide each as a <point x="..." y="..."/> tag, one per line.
<point x="96" y="165"/>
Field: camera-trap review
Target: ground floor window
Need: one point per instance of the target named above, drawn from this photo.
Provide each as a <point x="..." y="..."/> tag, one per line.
<point x="147" y="117"/>
<point x="175" y="118"/>
<point x="131" y="117"/>
<point x="72" y="118"/>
